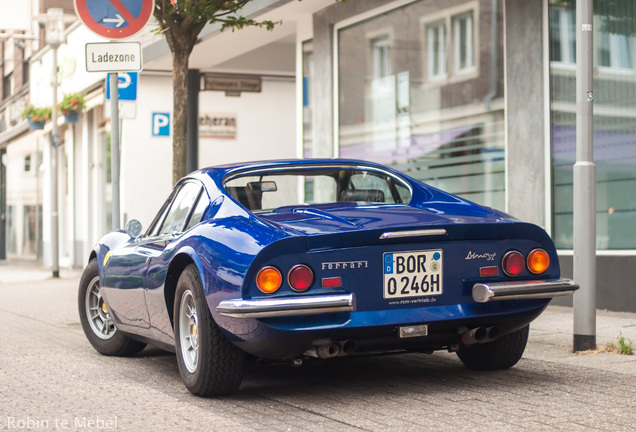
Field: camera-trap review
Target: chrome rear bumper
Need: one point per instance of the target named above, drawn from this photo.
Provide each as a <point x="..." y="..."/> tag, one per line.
<point x="277" y="307"/>
<point x="485" y="292"/>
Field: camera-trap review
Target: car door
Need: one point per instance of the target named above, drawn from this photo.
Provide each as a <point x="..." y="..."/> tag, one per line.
<point x="185" y="211"/>
<point x="126" y="283"/>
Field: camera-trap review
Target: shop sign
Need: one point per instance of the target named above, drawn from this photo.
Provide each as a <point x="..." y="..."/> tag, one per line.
<point x="232" y="85"/>
<point x="218" y="125"/>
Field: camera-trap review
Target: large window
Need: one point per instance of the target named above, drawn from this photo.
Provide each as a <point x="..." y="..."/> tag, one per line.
<point x="614" y="125"/>
<point x="422" y="103"/>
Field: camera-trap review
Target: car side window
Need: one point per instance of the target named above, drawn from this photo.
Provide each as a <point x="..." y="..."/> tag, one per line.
<point x="153" y="229"/>
<point x="180" y="209"/>
<point x="200" y="208"/>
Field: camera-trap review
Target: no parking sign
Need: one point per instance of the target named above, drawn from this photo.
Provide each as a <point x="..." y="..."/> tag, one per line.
<point x="114" y="19"/>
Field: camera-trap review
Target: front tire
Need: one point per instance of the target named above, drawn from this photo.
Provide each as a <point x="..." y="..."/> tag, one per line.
<point x="210" y="365"/>
<point x="502" y="353"/>
<point x="96" y="320"/>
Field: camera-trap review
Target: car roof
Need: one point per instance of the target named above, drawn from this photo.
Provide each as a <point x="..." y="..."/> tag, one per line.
<point x="218" y="173"/>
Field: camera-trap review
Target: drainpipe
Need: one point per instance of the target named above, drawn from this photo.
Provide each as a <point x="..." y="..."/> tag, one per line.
<point x="494" y="80"/>
<point x="494" y="56"/>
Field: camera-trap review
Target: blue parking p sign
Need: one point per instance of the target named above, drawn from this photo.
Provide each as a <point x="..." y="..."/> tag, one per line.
<point x="127" y="86"/>
<point x="160" y="124"/>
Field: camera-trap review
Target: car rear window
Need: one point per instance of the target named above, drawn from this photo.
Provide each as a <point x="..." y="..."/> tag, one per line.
<point x="268" y="190"/>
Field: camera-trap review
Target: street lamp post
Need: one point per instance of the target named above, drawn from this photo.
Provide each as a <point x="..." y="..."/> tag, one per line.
<point x="584" y="186"/>
<point x="54" y="21"/>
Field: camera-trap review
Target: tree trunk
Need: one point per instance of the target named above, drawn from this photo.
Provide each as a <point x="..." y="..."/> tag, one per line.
<point x="180" y="112"/>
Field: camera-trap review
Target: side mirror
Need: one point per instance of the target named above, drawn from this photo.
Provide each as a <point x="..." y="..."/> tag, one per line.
<point x="133" y="228"/>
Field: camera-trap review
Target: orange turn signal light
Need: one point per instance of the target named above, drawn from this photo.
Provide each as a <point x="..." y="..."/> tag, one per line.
<point x="269" y="279"/>
<point x="538" y="261"/>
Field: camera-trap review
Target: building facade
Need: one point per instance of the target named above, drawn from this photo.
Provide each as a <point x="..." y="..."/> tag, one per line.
<point x="476" y="97"/>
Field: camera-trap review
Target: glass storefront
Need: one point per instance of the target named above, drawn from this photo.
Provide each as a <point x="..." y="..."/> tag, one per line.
<point x="417" y="90"/>
<point x="614" y="121"/>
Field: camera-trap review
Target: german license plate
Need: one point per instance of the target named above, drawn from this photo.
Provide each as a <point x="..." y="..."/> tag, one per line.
<point x="412" y="274"/>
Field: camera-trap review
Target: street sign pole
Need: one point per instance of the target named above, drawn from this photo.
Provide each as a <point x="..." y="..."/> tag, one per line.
<point x="54" y="21"/>
<point x="55" y="172"/>
<point x="114" y="146"/>
<point x="584" y="186"/>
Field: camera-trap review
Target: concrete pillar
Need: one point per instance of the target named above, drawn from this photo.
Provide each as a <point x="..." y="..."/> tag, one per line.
<point x="526" y="115"/>
<point x="323" y="85"/>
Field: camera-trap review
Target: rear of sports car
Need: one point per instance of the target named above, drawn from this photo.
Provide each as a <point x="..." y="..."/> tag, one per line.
<point x="369" y="278"/>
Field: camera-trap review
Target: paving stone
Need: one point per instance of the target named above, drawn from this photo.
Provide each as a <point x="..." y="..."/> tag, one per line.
<point x="49" y="373"/>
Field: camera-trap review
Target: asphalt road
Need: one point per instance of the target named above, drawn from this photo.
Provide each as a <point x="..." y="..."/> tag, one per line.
<point x="52" y="379"/>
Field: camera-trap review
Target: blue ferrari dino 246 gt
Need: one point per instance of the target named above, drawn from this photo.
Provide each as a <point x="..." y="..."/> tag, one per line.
<point x="286" y="260"/>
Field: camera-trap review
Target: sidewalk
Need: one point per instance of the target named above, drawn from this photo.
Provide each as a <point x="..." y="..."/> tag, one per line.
<point x="550" y="334"/>
<point x="24" y="271"/>
<point x="551" y="340"/>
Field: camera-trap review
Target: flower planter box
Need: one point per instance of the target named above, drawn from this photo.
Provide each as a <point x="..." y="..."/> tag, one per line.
<point x="72" y="117"/>
<point x="36" y="124"/>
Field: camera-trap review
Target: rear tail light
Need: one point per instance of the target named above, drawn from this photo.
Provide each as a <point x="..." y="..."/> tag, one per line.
<point x="300" y="277"/>
<point x="269" y="279"/>
<point x="513" y="263"/>
<point x="538" y="261"/>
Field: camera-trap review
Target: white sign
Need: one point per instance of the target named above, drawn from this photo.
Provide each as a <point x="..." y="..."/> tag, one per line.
<point x="127" y="109"/>
<point x="219" y="125"/>
<point x="113" y="57"/>
<point x="16" y="16"/>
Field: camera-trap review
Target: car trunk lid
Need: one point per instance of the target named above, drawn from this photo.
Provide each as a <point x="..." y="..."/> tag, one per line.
<point x="359" y="225"/>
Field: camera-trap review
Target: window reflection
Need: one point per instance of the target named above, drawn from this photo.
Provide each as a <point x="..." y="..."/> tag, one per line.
<point x="614" y="124"/>
<point x="418" y="99"/>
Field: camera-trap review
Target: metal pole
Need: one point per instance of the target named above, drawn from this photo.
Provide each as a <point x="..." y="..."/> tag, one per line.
<point x="3" y="206"/>
<point x="584" y="186"/>
<point x="55" y="142"/>
<point x="114" y="146"/>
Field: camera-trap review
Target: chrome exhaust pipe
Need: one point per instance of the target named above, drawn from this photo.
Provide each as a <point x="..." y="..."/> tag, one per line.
<point x="328" y="350"/>
<point x="348" y="347"/>
<point x="493" y="332"/>
<point x="474" y="336"/>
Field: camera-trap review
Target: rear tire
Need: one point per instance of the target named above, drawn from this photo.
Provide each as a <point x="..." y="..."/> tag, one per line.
<point x="96" y="320"/>
<point x="502" y="353"/>
<point x="210" y="365"/>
